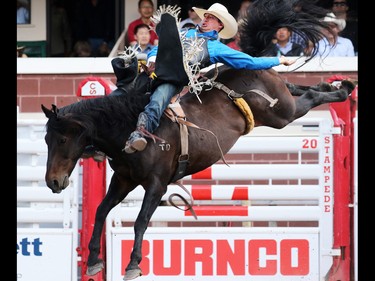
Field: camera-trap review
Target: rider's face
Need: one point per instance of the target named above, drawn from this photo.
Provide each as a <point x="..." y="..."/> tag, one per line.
<point x="210" y="22"/>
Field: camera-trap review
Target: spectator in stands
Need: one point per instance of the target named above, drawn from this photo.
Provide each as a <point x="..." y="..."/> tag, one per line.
<point x="81" y="49"/>
<point x="295" y="37"/>
<point x="234" y="44"/>
<point x="146" y="10"/>
<point x="192" y="18"/>
<point x="95" y="25"/>
<point x="240" y="16"/>
<point x="235" y="41"/>
<point x="307" y="51"/>
<point x="283" y="45"/>
<point x="242" y="11"/>
<point x="341" y="10"/>
<point x="23" y="12"/>
<point x="61" y="36"/>
<point x="20" y="52"/>
<point x="335" y="46"/>
<point x="142" y="36"/>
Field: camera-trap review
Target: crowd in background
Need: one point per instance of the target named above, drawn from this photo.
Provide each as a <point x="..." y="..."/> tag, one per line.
<point x="23" y="12"/>
<point x="342" y="41"/>
<point x="93" y="33"/>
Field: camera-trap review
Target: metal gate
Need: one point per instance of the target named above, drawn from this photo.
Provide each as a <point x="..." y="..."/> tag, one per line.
<point x="47" y="223"/>
<point x="270" y="219"/>
<point x="281" y="211"/>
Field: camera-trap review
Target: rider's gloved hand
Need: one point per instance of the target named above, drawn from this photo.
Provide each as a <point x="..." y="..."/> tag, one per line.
<point x="286" y="61"/>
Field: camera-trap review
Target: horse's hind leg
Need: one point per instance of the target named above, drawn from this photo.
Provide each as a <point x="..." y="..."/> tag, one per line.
<point x="150" y="202"/>
<point x="312" y="98"/>
<point x="114" y="196"/>
<point x="299" y="90"/>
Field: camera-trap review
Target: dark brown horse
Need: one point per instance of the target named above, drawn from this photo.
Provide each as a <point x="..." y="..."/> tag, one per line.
<point x="107" y="122"/>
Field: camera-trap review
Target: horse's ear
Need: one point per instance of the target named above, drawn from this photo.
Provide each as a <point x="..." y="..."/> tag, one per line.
<point x="55" y="109"/>
<point x="50" y="113"/>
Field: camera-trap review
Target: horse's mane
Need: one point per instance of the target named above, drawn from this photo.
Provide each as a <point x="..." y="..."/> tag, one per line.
<point x="265" y="17"/>
<point x="111" y="111"/>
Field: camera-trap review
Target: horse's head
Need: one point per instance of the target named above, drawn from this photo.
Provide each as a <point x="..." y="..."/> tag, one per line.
<point x="66" y="140"/>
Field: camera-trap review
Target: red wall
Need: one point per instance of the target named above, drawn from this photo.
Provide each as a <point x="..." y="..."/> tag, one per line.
<point x="60" y="89"/>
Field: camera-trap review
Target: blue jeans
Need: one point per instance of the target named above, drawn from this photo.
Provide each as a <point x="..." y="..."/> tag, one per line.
<point x="159" y="101"/>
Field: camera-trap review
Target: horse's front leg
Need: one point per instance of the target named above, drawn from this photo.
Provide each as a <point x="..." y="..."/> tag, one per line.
<point x="116" y="193"/>
<point x="151" y="201"/>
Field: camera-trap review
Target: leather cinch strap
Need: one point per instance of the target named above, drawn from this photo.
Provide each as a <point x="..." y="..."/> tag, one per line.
<point x="171" y="112"/>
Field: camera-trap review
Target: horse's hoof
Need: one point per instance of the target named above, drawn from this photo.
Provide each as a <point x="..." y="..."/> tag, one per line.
<point x="132" y="274"/>
<point x="348" y="86"/>
<point x="92" y="270"/>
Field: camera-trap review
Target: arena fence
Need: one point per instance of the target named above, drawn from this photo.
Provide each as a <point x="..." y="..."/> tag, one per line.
<point x="267" y="219"/>
<point x="284" y="209"/>
<point x="47" y="223"/>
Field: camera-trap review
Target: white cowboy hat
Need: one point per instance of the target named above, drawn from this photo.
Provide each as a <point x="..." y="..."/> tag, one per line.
<point x="330" y="17"/>
<point x="219" y="11"/>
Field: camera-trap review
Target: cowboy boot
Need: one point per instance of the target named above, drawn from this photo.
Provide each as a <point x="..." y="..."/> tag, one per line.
<point x="126" y="70"/>
<point x="169" y="64"/>
<point x="136" y="141"/>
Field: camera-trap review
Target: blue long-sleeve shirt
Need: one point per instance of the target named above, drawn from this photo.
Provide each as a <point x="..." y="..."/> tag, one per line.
<point x="220" y="52"/>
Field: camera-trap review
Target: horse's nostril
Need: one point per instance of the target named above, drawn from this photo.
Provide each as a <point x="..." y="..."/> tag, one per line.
<point x="56" y="186"/>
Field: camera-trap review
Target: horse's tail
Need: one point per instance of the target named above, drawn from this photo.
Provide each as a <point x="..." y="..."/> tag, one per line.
<point x="265" y="17"/>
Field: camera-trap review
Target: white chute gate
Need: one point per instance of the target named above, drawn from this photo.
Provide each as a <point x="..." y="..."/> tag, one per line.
<point x="270" y="215"/>
<point x="281" y="211"/>
<point x="47" y="223"/>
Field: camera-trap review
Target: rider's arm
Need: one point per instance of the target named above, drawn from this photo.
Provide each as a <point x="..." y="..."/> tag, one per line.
<point x="219" y="52"/>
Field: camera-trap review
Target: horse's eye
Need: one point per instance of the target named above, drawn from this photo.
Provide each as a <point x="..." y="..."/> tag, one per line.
<point x="63" y="140"/>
